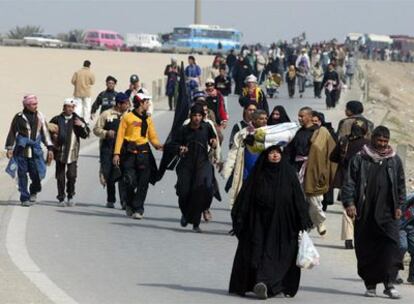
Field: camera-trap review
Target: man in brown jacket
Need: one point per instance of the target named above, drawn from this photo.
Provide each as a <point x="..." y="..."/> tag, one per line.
<point x="83" y="80"/>
<point x="309" y="152"/>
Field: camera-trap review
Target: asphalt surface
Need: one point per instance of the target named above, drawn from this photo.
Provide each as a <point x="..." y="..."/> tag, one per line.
<point x="98" y="255"/>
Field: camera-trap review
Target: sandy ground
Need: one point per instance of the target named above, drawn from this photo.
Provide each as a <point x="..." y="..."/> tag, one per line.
<point x="391" y="86"/>
<point x="47" y="73"/>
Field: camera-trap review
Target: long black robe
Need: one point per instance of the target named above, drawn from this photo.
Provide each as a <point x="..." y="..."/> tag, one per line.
<point x="376" y="230"/>
<point x="268" y="214"/>
<point x="196" y="183"/>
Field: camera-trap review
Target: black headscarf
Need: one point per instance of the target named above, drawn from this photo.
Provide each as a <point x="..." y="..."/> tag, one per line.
<point x="283" y="116"/>
<point x="269" y="179"/>
<point x="143" y="117"/>
<point x="355" y="107"/>
<point x="197" y="109"/>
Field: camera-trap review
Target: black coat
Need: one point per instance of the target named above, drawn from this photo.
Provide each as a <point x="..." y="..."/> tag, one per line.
<point x="196" y="183"/>
<point x="267" y="216"/>
<point x="377" y="188"/>
<point x="241" y="70"/>
<point x="354" y="188"/>
<point x="105" y="100"/>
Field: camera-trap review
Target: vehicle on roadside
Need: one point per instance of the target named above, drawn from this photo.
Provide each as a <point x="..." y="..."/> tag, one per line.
<point x="42" y="40"/>
<point x="148" y="42"/>
<point x="375" y="41"/>
<point x="403" y="43"/>
<point x="203" y="39"/>
<point x="104" y="38"/>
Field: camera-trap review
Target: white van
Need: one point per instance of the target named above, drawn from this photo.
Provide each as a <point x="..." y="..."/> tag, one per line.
<point x="143" y="41"/>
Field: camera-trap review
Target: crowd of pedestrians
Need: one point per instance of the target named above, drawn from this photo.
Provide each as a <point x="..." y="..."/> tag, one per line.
<point x="280" y="175"/>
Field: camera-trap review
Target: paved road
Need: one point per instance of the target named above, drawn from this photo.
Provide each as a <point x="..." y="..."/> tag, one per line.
<point x="97" y="255"/>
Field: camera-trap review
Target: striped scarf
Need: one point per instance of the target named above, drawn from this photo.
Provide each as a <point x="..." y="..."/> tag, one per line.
<point x="377" y="156"/>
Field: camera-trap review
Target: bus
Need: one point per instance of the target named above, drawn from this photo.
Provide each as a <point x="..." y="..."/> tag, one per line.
<point x="204" y="38"/>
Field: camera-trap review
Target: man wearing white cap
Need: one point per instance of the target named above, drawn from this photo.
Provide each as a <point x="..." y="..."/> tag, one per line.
<point x="27" y="131"/>
<point x="136" y="131"/>
<point x="252" y="92"/>
<point x="67" y="128"/>
<point x="136" y="88"/>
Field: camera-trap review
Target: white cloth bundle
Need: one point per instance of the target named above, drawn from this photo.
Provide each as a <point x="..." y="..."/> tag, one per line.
<point x="280" y="134"/>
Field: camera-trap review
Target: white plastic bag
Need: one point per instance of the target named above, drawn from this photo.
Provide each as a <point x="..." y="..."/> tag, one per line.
<point x="308" y="256"/>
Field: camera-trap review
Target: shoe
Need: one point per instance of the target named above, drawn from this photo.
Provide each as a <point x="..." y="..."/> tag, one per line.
<point x="370" y="293"/>
<point x="26" y="204"/>
<point x="33" y="198"/>
<point x="207" y="215"/>
<point x="70" y="202"/>
<point x="137" y="216"/>
<point x="197" y="229"/>
<point x="348" y="244"/>
<point x="183" y="221"/>
<point x="61" y="204"/>
<point x="123" y="205"/>
<point x="321" y="229"/>
<point x="410" y="280"/>
<point x="110" y="205"/>
<point x="260" y="289"/>
<point x="392" y="293"/>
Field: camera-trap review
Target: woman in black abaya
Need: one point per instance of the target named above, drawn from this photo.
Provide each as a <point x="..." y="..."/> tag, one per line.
<point x="278" y="116"/>
<point x="268" y="214"/>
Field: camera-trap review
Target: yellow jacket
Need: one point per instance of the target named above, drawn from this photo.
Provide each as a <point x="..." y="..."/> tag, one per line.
<point x="130" y="130"/>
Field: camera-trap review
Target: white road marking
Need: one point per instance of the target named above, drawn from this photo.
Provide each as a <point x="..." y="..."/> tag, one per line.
<point x="17" y="249"/>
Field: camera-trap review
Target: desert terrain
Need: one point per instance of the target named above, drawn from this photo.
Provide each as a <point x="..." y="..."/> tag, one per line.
<point x="47" y="73"/>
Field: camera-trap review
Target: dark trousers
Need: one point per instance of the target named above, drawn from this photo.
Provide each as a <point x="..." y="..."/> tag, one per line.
<point x="111" y="192"/>
<point x="27" y="166"/>
<point x="330" y="98"/>
<point x="172" y="102"/>
<point x="66" y="173"/>
<point x="317" y="88"/>
<point x="291" y="88"/>
<point x="136" y="176"/>
<point x="301" y="84"/>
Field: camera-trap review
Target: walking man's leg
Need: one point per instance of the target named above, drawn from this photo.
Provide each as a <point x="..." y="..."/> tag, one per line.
<point x="316" y="213"/>
<point x="129" y="179"/>
<point x="143" y="177"/>
<point x="22" y="170"/>
<point x="110" y="194"/>
<point x="170" y="102"/>
<point x="60" y="179"/>
<point x="410" y="247"/>
<point x="35" y="185"/>
<point x="87" y="107"/>
<point x="71" y="175"/>
<point x="347" y="233"/>
<point x="79" y="106"/>
<point x="122" y="193"/>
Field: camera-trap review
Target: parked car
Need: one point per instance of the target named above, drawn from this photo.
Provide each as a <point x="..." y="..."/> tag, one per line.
<point x="42" y="40"/>
<point x="143" y="41"/>
<point x="108" y="39"/>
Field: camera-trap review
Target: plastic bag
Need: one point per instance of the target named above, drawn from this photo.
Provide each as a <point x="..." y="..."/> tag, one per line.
<point x="308" y="256"/>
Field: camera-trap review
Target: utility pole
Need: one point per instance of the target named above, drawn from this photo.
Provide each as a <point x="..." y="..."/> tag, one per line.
<point x="197" y="12"/>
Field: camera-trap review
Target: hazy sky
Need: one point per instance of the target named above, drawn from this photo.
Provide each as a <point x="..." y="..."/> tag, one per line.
<point x="259" y="20"/>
